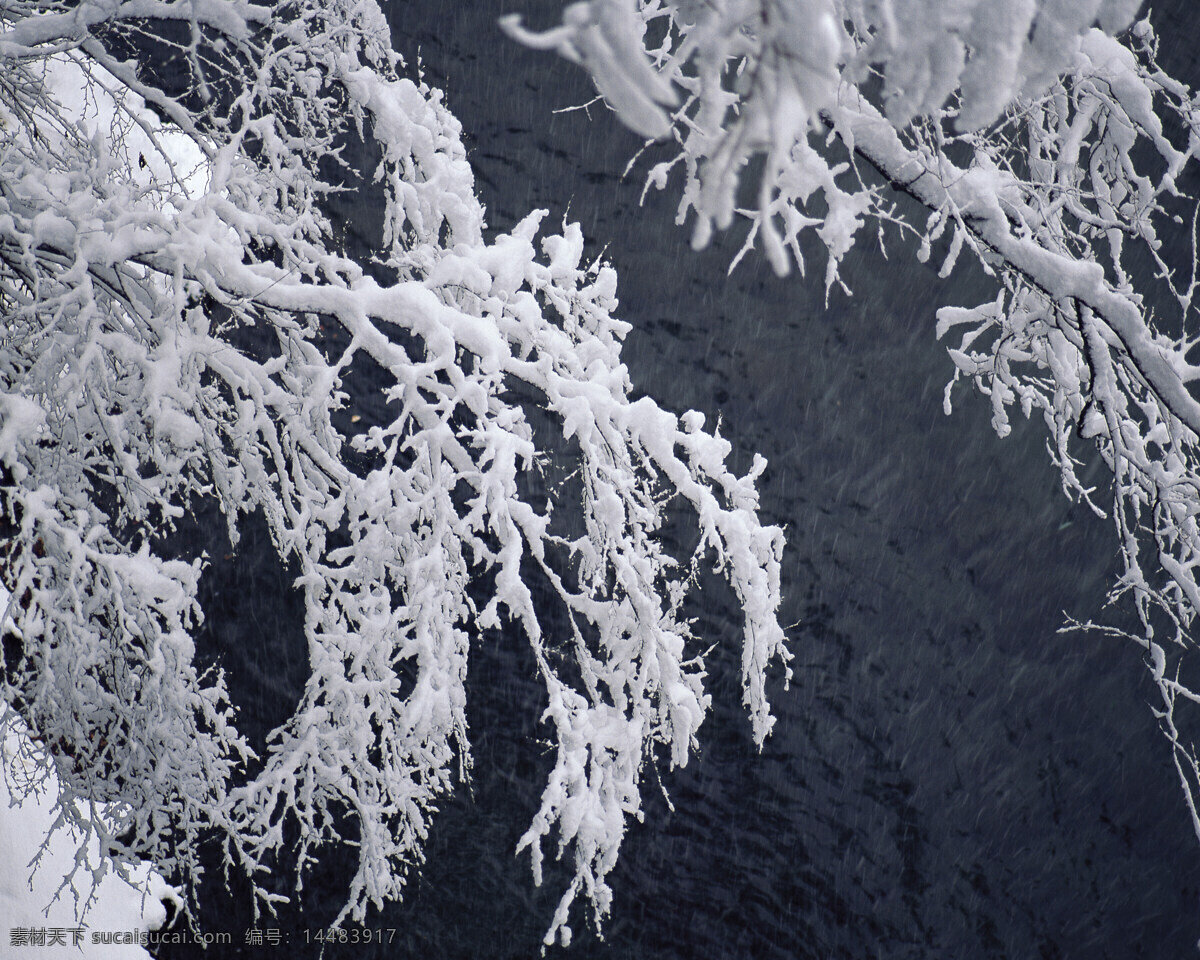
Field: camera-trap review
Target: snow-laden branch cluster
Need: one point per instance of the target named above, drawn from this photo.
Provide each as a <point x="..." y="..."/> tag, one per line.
<point x="1038" y="143"/>
<point x="167" y="284"/>
<point x="732" y="80"/>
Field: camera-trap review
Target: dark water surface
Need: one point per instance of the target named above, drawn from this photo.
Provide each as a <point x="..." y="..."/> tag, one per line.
<point x="949" y="778"/>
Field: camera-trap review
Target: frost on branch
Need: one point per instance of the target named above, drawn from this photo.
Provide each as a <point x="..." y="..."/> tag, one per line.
<point x="1041" y="146"/>
<point x="166" y="272"/>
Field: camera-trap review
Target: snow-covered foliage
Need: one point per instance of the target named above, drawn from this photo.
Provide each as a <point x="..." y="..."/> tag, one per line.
<point x="1052" y="152"/>
<point x="47" y="887"/>
<point x="730" y="80"/>
<point x="167" y="283"/>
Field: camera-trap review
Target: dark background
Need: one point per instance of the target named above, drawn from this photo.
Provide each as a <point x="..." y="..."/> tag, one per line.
<point x="949" y="778"/>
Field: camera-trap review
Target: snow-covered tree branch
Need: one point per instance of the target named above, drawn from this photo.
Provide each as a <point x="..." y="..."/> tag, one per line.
<point x="166" y="272"/>
<point x="1040" y="140"/>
